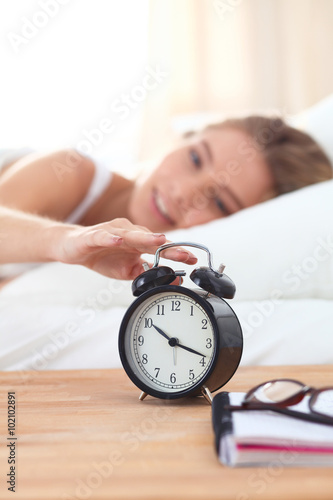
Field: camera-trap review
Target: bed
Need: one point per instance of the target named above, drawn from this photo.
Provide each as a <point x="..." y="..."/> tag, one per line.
<point x="279" y="254"/>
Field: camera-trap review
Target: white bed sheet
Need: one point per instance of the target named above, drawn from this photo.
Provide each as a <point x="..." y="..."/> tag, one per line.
<point x="67" y="317"/>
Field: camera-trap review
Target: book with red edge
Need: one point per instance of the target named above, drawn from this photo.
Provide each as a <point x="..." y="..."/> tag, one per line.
<point x="261" y="438"/>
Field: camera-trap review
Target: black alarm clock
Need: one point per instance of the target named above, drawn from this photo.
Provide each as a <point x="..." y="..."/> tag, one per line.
<point x="175" y="341"/>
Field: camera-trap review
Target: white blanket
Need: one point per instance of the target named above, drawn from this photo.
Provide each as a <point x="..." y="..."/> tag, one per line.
<point x="61" y="317"/>
<point x="67" y="317"/>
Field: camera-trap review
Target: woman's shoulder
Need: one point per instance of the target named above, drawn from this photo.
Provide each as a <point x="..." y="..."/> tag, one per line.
<point x="50" y="184"/>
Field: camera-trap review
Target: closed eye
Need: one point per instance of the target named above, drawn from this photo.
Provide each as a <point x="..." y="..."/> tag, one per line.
<point x="221" y="206"/>
<point x="195" y="158"/>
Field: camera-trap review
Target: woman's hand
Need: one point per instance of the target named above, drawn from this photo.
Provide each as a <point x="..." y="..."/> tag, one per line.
<point x="114" y="248"/>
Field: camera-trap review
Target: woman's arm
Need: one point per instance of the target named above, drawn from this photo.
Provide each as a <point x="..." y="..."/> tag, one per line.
<point x="112" y="248"/>
<point x="38" y="192"/>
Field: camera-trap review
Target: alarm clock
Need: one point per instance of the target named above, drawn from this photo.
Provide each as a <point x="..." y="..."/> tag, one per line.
<point x="176" y="341"/>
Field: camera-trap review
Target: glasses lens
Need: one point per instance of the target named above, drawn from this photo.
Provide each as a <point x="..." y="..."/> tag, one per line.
<point x="323" y="403"/>
<point x="277" y="391"/>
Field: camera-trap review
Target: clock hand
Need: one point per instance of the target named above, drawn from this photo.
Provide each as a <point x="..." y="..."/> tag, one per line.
<point x="174" y="342"/>
<point x="161" y="332"/>
<point x="189" y="349"/>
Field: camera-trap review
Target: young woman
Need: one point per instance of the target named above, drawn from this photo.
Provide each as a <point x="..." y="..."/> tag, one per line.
<point x="66" y="207"/>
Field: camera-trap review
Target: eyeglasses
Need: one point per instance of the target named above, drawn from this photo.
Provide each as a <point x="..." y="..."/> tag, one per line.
<point x="277" y="395"/>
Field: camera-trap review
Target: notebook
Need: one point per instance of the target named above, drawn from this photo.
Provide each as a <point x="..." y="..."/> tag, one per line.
<point x="259" y="438"/>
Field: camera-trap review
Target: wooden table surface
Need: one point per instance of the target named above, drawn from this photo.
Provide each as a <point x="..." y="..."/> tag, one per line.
<point x="85" y="435"/>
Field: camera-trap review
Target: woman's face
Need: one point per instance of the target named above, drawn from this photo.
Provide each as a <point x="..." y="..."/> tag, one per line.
<point x="216" y="173"/>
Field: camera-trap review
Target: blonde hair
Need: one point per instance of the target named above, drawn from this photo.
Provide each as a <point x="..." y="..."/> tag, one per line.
<point x="295" y="159"/>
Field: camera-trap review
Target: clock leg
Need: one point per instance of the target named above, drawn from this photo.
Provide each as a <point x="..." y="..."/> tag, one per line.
<point x="207" y="394"/>
<point x="143" y="395"/>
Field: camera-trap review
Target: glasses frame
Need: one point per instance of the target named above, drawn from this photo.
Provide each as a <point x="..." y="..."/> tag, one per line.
<point x="281" y="406"/>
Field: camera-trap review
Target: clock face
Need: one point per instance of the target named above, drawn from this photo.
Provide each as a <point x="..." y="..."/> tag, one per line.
<point x="169" y="341"/>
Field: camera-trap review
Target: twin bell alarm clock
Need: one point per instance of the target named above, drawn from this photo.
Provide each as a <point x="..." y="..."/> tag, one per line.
<point x="176" y="341"/>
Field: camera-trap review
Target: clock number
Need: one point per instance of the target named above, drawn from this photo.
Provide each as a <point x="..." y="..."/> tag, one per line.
<point x="202" y="361"/>
<point x="160" y="310"/>
<point x="141" y="340"/>
<point x="191" y="311"/>
<point x="209" y="343"/>
<point x="144" y="359"/>
<point x="148" y="322"/>
<point x="173" y="378"/>
<point x="157" y="370"/>
<point x="191" y="375"/>
<point x="175" y="305"/>
<point x="204" y="324"/>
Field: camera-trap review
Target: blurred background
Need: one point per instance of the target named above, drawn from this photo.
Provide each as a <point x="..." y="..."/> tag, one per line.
<point x="121" y="79"/>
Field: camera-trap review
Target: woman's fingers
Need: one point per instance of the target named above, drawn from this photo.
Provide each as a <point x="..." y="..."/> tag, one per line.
<point x="138" y="241"/>
<point x="115" y="248"/>
<point x="143" y="241"/>
<point x="101" y="238"/>
<point x="149" y="242"/>
<point x="179" y="254"/>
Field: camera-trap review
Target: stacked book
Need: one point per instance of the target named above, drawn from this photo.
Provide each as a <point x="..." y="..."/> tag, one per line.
<point x="259" y="438"/>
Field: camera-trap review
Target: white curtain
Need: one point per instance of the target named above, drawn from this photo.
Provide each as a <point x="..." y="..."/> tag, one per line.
<point x="229" y="56"/>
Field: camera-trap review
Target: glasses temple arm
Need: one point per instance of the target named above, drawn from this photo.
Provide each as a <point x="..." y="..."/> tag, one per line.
<point x="310" y="417"/>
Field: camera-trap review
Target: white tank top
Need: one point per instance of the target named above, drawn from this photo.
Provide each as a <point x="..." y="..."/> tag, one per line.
<point x="100" y="181"/>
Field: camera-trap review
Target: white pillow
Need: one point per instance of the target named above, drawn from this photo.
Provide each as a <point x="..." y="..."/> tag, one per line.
<point x="284" y="333"/>
<point x="282" y="248"/>
<point x="317" y="121"/>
